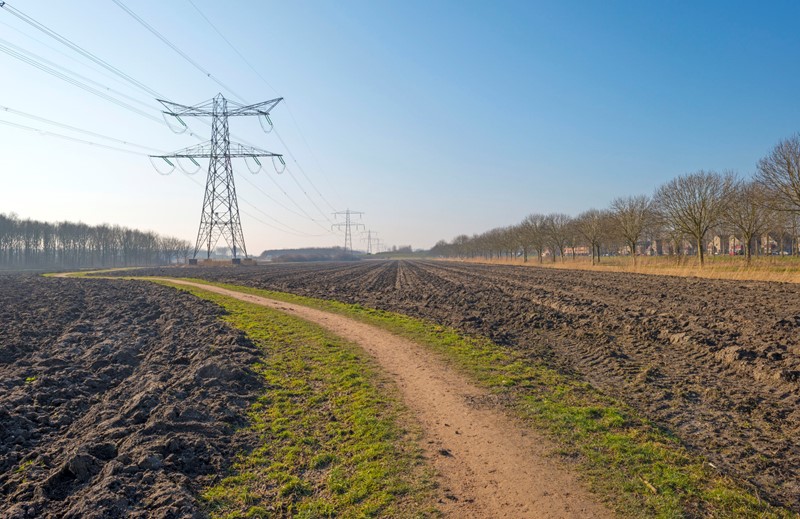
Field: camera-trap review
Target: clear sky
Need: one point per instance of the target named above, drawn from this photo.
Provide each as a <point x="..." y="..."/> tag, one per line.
<point x="434" y="118"/>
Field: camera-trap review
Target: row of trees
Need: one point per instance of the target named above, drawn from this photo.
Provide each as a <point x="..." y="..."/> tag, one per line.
<point x="691" y="214"/>
<point x="34" y="244"/>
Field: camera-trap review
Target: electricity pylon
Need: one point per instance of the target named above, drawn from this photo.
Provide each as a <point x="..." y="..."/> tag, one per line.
<point x="220" y="217"/>
<point x="347" y="224"/>
<point x="370" y="235"/>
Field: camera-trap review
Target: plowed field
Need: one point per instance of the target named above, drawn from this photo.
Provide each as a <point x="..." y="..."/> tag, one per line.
<point x="117" y="399"/>
<point x="716" y="362"/>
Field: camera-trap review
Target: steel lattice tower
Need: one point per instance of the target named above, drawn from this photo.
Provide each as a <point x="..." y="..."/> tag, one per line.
<point x="371" y="235"/>
<point x="347" y="224"/>
<point x="220" y="217"/>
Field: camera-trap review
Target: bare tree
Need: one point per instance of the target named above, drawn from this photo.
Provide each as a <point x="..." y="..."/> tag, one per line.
<point x="534" y="233"/>
<point x="631" y="216"/>
<point x="779" y="172"/>
<point x="694" y="203"/>
<point x="593" y="226"/>
<point x="557" y="230"/>
<point x="184" y="248"/>
<point x="748" y="212"/>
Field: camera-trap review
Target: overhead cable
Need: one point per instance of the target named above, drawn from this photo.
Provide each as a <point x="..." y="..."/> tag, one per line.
<point x="69" y="138"/>
<point x="73" y="128"/>
<point x="175" y="48"/>
<point x="77" y="48"/>
<point x="288" y="108"/>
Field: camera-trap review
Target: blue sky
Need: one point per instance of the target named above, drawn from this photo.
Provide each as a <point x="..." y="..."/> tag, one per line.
<point x="434" y="118"/>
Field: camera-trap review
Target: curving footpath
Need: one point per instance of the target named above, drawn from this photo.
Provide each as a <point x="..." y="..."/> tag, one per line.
<point x="488" y="464"/>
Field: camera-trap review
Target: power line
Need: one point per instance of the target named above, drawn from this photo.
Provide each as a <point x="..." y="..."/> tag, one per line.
<point x="175" y="48"/>
<point x="69" y="56"/>
<point x="305" y="193"/>
<point x="33" y="62"/>
<point x="69" y="138"/>
<point x="40" y="60"/>
<point x="232" y="47"/>
<point x="292" y="230"/>
<point x="75" y="129"/>
<point x="294" y="159"/>
<point x="199" y="67"/>
<point x="286" y="194"/>
<point x="42" y="64"/>
<point x="251" y="215"/>
<point x="77" y="48"/>
<point x="263" y="79"/>
<point x="275" y="200"/>
<point x="297" y="205"/>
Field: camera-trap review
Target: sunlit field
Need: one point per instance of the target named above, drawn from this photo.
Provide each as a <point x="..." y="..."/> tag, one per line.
<point x="761" y="268"/>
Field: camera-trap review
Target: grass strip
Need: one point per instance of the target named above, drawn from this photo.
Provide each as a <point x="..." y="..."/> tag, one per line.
<point x="640" y="469"/>
<point x="333" y="438"/>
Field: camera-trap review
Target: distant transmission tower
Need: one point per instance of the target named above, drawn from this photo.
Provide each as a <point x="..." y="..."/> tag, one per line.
<point x="347" y="224"/>
<point x="370" y="237"/>
<point x="220" y="217"/>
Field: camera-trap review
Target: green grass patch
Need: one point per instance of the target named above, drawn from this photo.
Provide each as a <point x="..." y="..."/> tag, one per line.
<point x="330" y="442"/>
<point x="640" y="469"/>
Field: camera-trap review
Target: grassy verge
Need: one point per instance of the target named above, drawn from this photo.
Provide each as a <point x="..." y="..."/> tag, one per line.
<point x="333" y="439"/>
<point x="638" y="468"/>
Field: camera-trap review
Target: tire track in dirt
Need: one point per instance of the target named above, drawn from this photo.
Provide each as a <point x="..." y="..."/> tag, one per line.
<point x="489" y="465"/>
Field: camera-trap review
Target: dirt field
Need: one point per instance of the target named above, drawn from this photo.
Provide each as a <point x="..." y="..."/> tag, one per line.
<point x="117" y="399"/>
<point x="716" y="362"/>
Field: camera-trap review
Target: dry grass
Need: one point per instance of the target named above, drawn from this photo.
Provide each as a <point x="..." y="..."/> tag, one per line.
<point x="764" y="268"/>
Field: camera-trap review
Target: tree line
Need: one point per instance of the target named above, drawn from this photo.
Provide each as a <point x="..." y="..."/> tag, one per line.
<point x="34" y="244"/>
<point x="696" y="213"/>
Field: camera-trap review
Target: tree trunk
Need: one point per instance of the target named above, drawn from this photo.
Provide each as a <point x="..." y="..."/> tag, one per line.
<point x="747" y="255"/>
<point x="700" y="254"/>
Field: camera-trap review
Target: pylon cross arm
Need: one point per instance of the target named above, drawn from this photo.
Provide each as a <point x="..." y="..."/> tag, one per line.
<point x="206" y="109"/>
<point x="205" y="151"/>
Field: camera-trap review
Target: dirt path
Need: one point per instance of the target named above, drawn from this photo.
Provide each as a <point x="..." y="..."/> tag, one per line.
<point x="489" y="465"/>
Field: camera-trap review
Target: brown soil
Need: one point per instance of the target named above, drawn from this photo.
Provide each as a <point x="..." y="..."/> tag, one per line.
<point x="717" y="362"/>
<point x="117" y="399"/>
<point x="489" y="466"/>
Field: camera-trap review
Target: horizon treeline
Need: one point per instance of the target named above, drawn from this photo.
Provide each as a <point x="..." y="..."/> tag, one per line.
<point x="33" y="244"/>
<point x="693" y="214"/>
